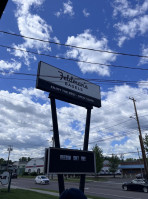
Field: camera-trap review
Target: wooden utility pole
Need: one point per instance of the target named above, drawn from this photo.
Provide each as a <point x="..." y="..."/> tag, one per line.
<point x="141" y="139"/>
<point x="9" y="151"/>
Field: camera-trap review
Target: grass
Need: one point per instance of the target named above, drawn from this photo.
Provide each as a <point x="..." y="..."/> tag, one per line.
<point x="92" y="197"/>
<point x="25" y="194"/>
<point x="54" y="191"/>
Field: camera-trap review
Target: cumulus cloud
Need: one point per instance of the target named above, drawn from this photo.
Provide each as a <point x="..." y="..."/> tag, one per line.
<point x="67" y="9"/>
<point x="136" y="19"/>
<point x="31" y="25"/>
<point x="87" y="40"/>
<point x="144" y="53"/>
<point x="86" y="14"/>
<point x="12" y="66"/>
<point x="30" y="123"/>
<point x="124" y="7"/>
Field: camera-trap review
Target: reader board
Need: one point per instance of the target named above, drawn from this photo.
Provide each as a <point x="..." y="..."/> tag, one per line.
<point x="69" y="161"/>
<point x="67" y="87"/>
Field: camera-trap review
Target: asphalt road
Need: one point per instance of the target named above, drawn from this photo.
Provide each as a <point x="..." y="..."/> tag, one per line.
<point x="110" y="189"/>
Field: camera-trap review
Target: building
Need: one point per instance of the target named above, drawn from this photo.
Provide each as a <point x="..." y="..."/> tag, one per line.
<point x="105" y="168"/>
<point x="132" y="168"/>
<point x="20" y="167"/>
<point x="35" y="165"/>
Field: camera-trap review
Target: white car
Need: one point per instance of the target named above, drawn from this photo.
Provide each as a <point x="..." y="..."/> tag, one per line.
<point x="138" y="181"/>
<point x="41" y="180"/>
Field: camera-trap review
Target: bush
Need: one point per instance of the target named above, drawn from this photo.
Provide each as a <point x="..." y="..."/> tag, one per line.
<point x="25" y="174"/>
<point x="33" y="174"/>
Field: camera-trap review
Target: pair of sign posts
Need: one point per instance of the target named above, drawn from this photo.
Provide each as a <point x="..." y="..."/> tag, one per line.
<point x="69" y="88"/>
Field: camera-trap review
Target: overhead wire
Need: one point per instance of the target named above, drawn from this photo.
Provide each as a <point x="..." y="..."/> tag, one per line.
<point x="89" y="62"/>
<point x="73" y="46"/>
<point x="89" y="80"/>
<point x="75" y="60"/>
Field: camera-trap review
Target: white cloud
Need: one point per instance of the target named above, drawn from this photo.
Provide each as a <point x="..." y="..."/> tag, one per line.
<point x="86" y="14"/>
<point x="136" y="20"/>
<point x="25" y="5"/>
<point x="67" y="9"/>
<point x="125" y="8"/>
<point x="31" y="25"/>
<point x="32" y="92"/>
<point x="30" y="123"/>
<point x="87" y="40"/>
<point x="144" y="53"/>
<point x="9" y="66"/>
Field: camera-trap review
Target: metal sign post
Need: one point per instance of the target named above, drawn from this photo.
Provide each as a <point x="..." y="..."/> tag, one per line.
<point x="56" y="138"/>
<point x="85" y="146"/>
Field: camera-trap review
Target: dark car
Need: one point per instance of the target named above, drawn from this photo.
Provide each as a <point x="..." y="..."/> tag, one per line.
<point x="14" y="175"/>
<point x="136" y="185"/>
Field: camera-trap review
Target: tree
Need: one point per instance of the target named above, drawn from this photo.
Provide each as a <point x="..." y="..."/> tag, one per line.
<point x="2" y="161"/>
<point x="145" y="140"/>
<point x="114" y="162"/>
<point x="99" y="158"/>
<point x="24" y="159"/>
<point x="130" y="160"/>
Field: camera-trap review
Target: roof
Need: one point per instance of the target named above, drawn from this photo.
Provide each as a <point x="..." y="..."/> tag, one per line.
<point x="137" y="166"/>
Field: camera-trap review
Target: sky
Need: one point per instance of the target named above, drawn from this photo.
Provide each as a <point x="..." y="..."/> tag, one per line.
<point x="114" y="34"/>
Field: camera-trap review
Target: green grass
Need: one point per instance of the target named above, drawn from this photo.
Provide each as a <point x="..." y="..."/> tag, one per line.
<point x="96" y="179"/>
<point x="54" y="191"/>
<point x="92" y="197"/>
<point x="23" y="194"/>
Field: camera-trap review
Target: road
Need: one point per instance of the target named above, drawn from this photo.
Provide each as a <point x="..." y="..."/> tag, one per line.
<point x="110" y="189"/>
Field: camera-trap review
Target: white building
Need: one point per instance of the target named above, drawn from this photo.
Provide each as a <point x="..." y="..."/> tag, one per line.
<point x="35" y="165"/>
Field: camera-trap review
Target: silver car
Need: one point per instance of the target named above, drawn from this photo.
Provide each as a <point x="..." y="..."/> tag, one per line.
<point x="41" y="180"/>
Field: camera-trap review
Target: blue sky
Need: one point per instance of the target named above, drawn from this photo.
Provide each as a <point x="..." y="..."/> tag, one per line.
<point x="117" y="26"/>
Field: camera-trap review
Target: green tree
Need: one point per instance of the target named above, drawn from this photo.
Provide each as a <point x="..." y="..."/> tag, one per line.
<point x="114" y="162"/>
<point x="130" y="160"/>
<point x="24" y="159"/>
<point x="99" y="157"/>
<point x="145" y="140"/>
<point x="2" y="161"/>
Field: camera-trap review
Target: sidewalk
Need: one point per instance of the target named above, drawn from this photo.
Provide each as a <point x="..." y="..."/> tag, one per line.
<point x="39" y="191"/>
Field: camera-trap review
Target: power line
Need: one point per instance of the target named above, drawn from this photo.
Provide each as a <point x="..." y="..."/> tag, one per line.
<point x="73" y="46"/>
<point x="96" y="81"/>
<point x="70" y="59"/>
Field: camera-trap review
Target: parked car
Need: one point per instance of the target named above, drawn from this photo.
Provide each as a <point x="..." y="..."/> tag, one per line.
<point x="41" y="180"/>
<point x="104" y="172"/>
<point x="136" y="185"/>
<point x="118" y="172"/>
<point x="14" y="175"/>
<point x="140" y="175"/>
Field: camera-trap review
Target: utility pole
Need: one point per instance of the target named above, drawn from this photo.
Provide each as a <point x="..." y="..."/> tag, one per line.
<point x="10" y="148"/>
<point x="141" y="139"/>
<point x="140" y="162"/>
<point x="53" y="144"/>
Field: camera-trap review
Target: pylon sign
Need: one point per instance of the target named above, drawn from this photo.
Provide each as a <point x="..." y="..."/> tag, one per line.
<point x="3" y="4"/>
<point x="67" y="87"/>
<point x="69" y="161"/>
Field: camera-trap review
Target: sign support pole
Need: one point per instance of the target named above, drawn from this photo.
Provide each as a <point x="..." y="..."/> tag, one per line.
<point x="85" y="146"/>
<point x="56" y="138"/>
